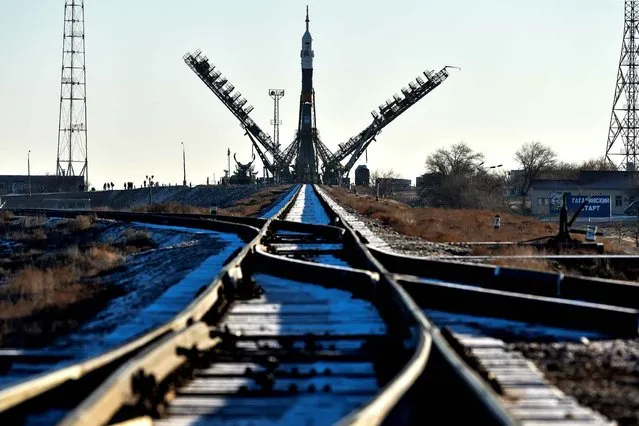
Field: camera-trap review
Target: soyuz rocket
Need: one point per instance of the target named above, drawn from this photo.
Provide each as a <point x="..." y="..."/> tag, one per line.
<point x="306" y="164"/>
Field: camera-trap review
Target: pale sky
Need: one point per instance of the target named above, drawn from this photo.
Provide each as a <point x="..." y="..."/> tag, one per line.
<point x="540" y="70"/>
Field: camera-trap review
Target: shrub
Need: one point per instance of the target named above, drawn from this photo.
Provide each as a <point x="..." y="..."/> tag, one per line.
<point x="81" y="223"/>
<point x="138" y="238"/>
<point x="6" y="217"/>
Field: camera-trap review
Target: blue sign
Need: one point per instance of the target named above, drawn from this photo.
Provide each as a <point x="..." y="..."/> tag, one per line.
<point x="597" y="206"/>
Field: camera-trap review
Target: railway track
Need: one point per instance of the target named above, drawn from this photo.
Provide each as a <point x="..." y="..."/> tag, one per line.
<point x="306" y="323"/>
<point x="310" y="351"/>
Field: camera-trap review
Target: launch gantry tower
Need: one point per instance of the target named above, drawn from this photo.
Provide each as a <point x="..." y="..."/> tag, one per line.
<point x="300" y="160"/>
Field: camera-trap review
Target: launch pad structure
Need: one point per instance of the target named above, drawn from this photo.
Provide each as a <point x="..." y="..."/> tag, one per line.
<point x="300" y="160"/>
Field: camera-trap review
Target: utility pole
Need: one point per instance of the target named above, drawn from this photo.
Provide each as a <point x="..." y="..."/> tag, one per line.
<point x="29" y="169"/>
<point x="184" y="164"/>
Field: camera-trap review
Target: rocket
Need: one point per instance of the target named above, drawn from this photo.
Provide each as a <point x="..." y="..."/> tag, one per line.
<point x="306" y="165"/>
<point x="307" y="55"/>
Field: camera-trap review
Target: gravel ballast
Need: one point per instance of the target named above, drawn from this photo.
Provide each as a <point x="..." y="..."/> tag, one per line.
<point x="603" y="375"/>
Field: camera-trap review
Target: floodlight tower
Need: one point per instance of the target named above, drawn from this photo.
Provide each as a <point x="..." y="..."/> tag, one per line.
<point x="72" y="122"/>
<point x="624" y="120"/>
<point x="276" y="94"/>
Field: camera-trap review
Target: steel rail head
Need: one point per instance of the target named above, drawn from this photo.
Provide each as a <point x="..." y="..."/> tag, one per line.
<point x="376" y="412"/>
<point x="357" y="281"/>
<point x="30" y="388"/>
<point x="153" y="364"/>
<point x="590" y="289"/>
<point x="213" y="222"/>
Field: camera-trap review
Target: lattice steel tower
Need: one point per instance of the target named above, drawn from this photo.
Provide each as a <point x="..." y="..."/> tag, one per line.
<point x="276" y="94"/>
<point x="622" y="149"/>
<point x="72" y="127"/>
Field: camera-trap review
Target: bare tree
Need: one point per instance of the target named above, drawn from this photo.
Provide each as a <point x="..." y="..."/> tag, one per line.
<point x="599" y="164"/>
<point x="620" y="227"/>
<point x="455" y="178"/>
<point x="459" y="160"/>
<point x="385" y="180"/>
<point x="563" y="170"/>
<point x="534" y="158"/>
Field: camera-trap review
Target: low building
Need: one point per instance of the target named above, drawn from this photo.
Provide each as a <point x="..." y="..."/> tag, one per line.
<point x="395" y="185"/>
<point x="25" y="184"/>
<point x="621" y="186"/>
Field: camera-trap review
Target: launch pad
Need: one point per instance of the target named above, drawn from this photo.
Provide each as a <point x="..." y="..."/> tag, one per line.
<point x="300" y="160"/>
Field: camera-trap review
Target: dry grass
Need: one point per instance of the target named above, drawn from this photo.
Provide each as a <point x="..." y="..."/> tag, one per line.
<point x="256" y="202"/>
<point x="444" y="225"/>
<point x="86" y="263"/>
<point x="50" y="278"/>
<point x="35" y="289"/>
<point x="602" y="268"/>
<point x="534" y="264"/>
<point x="6" y="217"/>
<point x="38" y="299"/>
<point x="81" y="223"/>
<point x="28" y="234"/>
<point x="28" y="222"/>
<point x="172" y="207"/>
<point x="248" y="206"/>
<point x="136" y="240"/>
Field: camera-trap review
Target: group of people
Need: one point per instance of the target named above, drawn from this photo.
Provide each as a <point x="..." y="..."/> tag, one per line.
<point x="129" y="185"/>
<point x="111" y="186"/>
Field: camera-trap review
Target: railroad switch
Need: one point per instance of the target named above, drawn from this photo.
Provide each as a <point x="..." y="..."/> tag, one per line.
<point x="563" y="239"/>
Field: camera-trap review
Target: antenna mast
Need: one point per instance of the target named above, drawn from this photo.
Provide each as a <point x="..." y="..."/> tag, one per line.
<point x="72" y="123"/>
